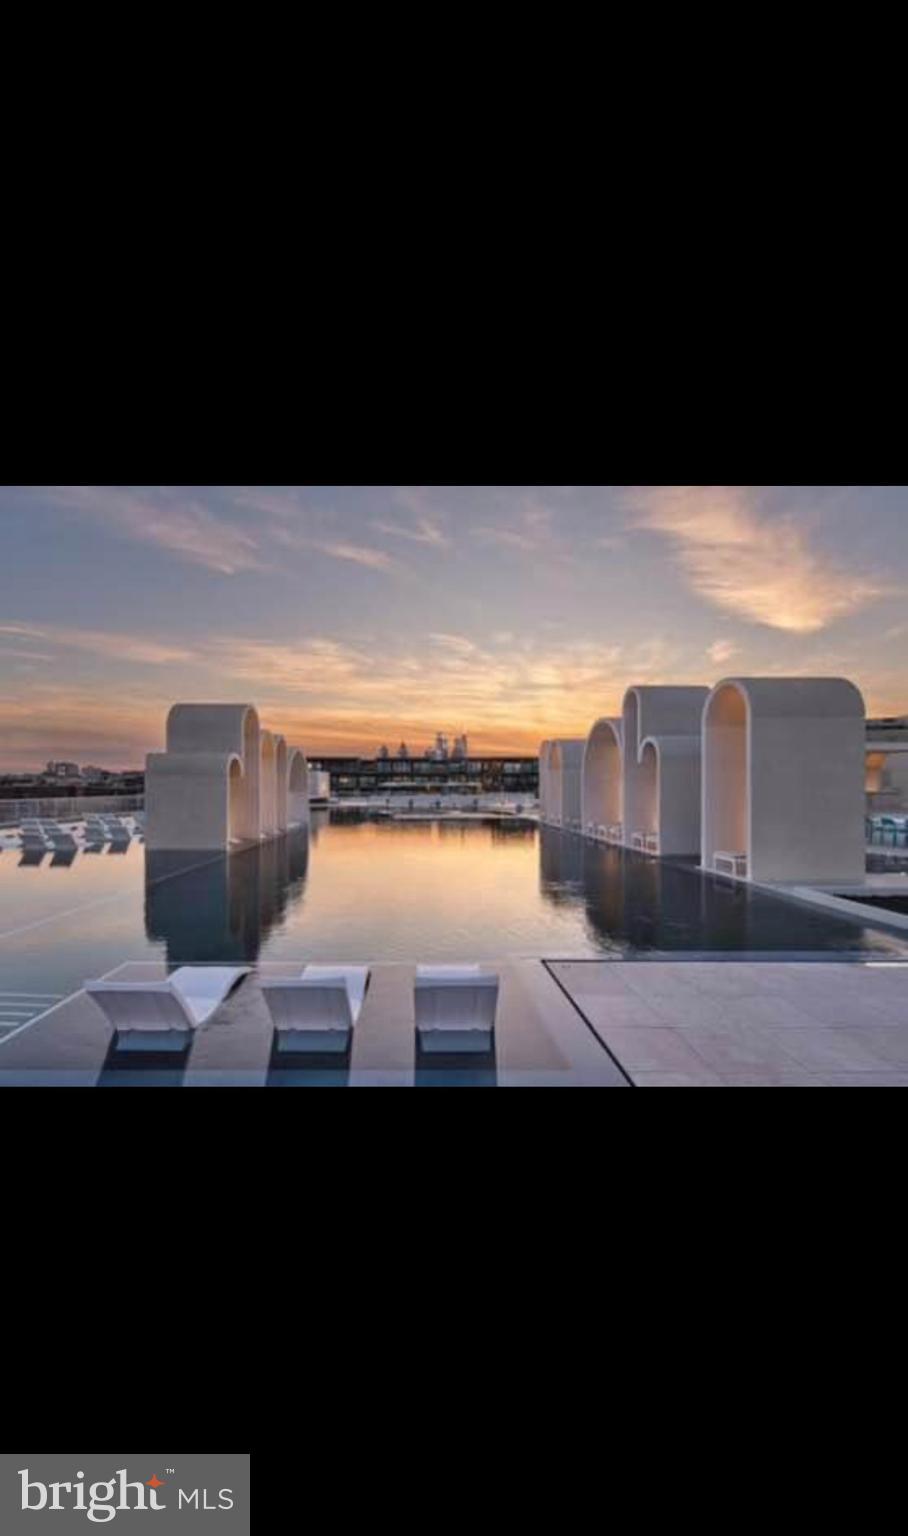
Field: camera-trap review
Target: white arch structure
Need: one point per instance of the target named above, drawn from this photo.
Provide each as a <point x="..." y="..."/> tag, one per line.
<point x="281" y="786"/>
<point x="661" y="768"/>
<point x="221" y="782"/>
<point x="783" y="779"/>
<point x="602" y="781"/>
<point x="268" y="786"/>
<point x="544" y="750"/>
<point x="560" y="783"/>
<point x="297" y="788"/>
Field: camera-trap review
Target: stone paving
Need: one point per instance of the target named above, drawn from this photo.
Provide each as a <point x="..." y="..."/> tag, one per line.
<point x="762" y="1023"/>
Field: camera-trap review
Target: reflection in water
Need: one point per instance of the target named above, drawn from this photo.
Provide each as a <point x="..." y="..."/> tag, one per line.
<point x="223" y="907"/>
<point x="632" y="902"/>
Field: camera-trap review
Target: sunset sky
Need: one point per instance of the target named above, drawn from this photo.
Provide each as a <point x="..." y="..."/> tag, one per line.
<point x="356" y="616"/>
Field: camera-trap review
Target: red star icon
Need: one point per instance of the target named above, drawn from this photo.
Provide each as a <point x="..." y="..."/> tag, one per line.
<point x="154" y="1481"/>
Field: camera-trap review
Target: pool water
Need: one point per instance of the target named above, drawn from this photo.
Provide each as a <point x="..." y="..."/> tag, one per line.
<point x="361" y="889"/>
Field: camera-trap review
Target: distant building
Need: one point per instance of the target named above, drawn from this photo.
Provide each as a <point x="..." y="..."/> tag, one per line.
<point x="383" y="754"/>
<point x="438" y="753"/>
<point x="356" y="776"/>
<point x="460" y="750"/>
<point x="402" y="752"/>
<point x="63" y="771"/>
<point x="886" y="764"/>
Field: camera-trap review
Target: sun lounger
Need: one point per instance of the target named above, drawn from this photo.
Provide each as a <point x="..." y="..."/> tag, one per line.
<point x="455" y="1009"/>
<point x="316" y="1013"/>
<point x="62" y="841"/>
<point x="162" y="1015"/>
<point x="725" y="863"/>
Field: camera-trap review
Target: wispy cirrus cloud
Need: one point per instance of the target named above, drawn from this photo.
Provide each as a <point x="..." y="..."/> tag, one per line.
<point x="183" y="526"/>
<point x="336" y="549"/>
<point x="527" y="524"/>
<point x="423" y="531"/>
<point x="508" y="538"/>
<point x="103" y="642"/>
<point x="360" y="554"/>
<point x="741" y="559"/>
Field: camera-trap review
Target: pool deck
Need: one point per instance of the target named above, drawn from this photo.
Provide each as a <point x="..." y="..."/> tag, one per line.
<point x="715" y="1023"/>
<point x="541" y="1040"/>
<point x="656" y="1022"/>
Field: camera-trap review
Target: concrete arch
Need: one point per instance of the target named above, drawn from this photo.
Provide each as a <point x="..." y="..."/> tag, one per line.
<point x="783" y="778"/>
<point x="189" y="799"/>
<point x="661" y="763"/>
<point x="222" y="728"/>
<point x="267" y="785"/>
<point x="549" y="785"/>
<point x="544" y="780"/>
<point x="281" y="789"/>
<point x="602" y="780"/>
<point x="236" y="800"/>
<point x="565" y="784"/>
<point x="298" y="787"/>
<point x="669" y="795"/>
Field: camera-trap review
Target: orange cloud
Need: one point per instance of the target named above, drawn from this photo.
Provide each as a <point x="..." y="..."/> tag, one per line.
<point x="759" y="567"/>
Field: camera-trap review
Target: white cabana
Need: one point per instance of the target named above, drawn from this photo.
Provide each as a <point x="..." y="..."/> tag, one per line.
<point x="601" y="781"/>
<point x="222" y="782"/>
<point x="783" y="779"/>
<point x="566" y="761"/>
<point x="661" y="768"/>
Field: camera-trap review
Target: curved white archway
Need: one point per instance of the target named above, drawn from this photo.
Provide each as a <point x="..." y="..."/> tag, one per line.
<point x="236" y="801"/>
<point x="661" y="762"/>
<point x="783" y="779"/>
<point x="280" y="784"/>
<point x="602" y="781"/>
<point x="565" y="784"/>
<point x="267" y="785"/>
<point x="298" y="788"/>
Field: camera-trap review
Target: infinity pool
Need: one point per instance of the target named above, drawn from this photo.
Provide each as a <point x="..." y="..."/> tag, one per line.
<point x="359" y="889"/>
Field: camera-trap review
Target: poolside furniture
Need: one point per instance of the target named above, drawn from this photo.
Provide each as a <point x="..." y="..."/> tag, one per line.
<point x="455" y="1009"/>
<point x="651" y="843"/>
<point x="615" y="833"/>
<point x="730" y="864"/>
<point x="117" y="833"/>
<point x="638" y="841"/>
<point x="316" y="1013"/>
<point x="62" y="841"/>
<point x="162" y="1015"/>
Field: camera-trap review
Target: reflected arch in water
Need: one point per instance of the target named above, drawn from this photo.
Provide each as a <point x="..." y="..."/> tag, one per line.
<point x="560" y="865"/>
<point x="223" y="907"/>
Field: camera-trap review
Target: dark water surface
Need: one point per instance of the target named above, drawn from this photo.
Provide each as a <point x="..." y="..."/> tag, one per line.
<point x="372" y="890"/>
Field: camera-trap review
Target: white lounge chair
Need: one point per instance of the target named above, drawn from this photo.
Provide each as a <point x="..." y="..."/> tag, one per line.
<point x="455" y="1009"/>
<point x="162" y="1015"/>
<point x="316" y="1013"/>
